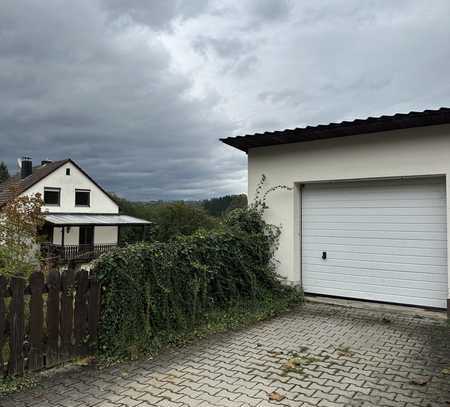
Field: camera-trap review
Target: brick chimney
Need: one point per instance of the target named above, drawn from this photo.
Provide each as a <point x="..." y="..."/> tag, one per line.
<point x="26" y="167"/>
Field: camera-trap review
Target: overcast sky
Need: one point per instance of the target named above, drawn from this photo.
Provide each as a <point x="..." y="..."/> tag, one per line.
<point x="139" y="91"/>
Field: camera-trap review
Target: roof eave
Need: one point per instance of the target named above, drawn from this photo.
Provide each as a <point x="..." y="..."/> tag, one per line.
<point x="342" y="129"/>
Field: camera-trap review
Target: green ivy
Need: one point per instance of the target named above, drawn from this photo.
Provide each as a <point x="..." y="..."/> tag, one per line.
<point x="156" y="293"/>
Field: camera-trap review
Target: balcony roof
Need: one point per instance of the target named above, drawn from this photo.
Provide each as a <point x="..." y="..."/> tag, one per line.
<point x="80" y="219"/>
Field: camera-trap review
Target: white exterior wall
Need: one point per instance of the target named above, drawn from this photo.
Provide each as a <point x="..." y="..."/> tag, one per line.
<point x="102" y="235"/>
<point x="99" y="201"/>
<point x="71" y="237"/>
<point x="401" y="153"/>
<point x="106" y="235"/>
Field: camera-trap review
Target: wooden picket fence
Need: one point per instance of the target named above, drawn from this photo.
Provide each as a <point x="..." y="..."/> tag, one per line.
<point x="47" y="320"/>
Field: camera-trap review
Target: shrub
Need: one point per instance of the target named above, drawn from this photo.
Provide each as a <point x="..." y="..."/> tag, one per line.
<point x="20" y="220"/>
<point x="153" y="294"/>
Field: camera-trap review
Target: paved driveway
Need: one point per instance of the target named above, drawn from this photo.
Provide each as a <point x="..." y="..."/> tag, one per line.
<point x="321" y="355"/>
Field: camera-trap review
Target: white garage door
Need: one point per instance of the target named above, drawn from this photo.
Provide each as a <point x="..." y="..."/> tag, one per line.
<point x="383" y="240"/>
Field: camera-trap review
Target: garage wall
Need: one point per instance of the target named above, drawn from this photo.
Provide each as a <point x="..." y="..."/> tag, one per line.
<point x="402" y="153"/>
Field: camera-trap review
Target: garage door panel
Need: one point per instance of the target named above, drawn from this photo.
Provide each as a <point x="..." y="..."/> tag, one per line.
<point x="378" y="226"/>
<point x="376" y="265"/>
<point x="429" y="219"/>
<point x="375" y="283"/>
<point x="390" y="187"/>
<point x="422" y="252"/>
<point x="385" y="240"/>
<point x="389" y="196"/>
<point x="381" y="289"/>
<point x="378" y="234"/>
<point x="330" y="271"/>
<point x="314" y="256"/>
<point x="383" y="297"/>
<point x="324" y="240"/>
<point x="378" y="203"/>
<point x="334" y="212"/>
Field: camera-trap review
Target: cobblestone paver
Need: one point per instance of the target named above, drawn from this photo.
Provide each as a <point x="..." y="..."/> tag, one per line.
<point x="350" y="357"/>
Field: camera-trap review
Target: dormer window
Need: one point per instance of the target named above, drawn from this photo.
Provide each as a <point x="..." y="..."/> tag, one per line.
<point x="82" y="197"/>
<point x="52" y="196"/>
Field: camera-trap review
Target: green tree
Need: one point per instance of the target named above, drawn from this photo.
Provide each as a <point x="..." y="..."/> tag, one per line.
<point x="20" y="222"/>
<point x="4" y="173"/>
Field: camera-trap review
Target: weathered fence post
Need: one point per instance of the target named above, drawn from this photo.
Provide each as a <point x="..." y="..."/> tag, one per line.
<point x="36" y="357"/>
<point x="17" y="326"/>
<point x="70" y="327"/>
<point x="2" y="322"/>
<point x="53" y="317"/>
<point x="68" y="284"/>
<point x="94" y="311"/>
<point x="81" y="311"/>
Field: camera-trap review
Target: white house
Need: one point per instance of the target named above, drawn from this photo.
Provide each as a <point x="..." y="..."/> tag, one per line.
<point x="367" y="214"/>
<point x="82" y="220"/>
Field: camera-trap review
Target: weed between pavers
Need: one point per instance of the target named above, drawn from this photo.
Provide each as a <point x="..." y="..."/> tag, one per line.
<point x="296" y="363"/>
<point x="344" y="350"/>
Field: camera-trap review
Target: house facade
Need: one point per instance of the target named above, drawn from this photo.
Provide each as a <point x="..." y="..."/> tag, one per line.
<point x="366" y="215"/>
<point x="82" y="220"/>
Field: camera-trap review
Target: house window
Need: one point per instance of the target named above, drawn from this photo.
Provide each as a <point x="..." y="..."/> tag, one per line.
<point x="52" y="196"/>
<point x="67" y="171"/>
<point x="82" y="197"/>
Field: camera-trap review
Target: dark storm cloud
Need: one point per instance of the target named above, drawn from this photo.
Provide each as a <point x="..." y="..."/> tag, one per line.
<point x="75" y="85"/>
<point x="139" y="91"/>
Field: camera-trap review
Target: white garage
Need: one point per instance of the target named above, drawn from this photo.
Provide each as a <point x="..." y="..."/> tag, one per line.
<point x="376" y="240"/>
<point x="365" y="212"/>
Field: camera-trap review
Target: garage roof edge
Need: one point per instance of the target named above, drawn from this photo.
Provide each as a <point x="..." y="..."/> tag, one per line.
<point x="344" y="128"/>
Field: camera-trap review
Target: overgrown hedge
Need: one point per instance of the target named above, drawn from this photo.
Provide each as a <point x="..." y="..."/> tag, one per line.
<point x="156" y="293"/>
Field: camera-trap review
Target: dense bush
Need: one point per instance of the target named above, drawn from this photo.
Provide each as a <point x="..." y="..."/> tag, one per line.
<point x="153" y="293"/>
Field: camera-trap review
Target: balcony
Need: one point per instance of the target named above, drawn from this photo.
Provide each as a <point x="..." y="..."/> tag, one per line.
<point x="75" y="253"/>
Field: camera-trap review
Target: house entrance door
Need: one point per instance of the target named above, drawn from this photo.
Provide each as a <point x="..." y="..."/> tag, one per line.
<point x="86" y="240"/>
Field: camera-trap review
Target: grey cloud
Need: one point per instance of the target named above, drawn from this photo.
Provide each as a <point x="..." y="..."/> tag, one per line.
<point x="269" y="10"/>
<point x="156" y="14"/>
<point x="244" y="66"/>
<point x="140" y="91"/>
<point x="105" y="96"/>
<point x="223" y="47"/>
<point x="284" y="96"/>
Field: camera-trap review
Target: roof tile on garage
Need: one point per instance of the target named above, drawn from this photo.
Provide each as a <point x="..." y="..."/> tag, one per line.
<point x="345" y="128"/>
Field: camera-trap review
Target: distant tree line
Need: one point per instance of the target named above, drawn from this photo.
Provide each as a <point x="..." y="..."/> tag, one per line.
<point x="172" y="219"/>
<point x="218" y="207"/>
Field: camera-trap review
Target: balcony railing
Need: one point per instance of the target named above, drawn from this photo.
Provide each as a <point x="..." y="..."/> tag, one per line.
<point x="77" y="253"/>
